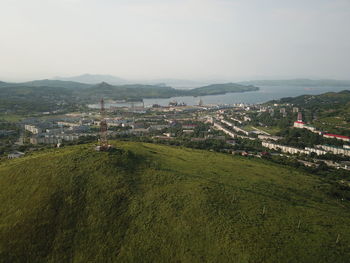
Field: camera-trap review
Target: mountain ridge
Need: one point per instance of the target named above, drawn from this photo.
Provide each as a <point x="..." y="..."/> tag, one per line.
<point x="94" y="79"/>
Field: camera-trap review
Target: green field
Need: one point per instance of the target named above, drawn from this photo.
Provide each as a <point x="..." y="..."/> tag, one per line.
<point x="271" y="130"/>
<point x="333" y="124"/>
<point x="11" y="117"/>
<point x="154" y="203"/>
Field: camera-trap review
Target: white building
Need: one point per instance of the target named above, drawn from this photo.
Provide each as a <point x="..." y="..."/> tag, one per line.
<point x="336" y="150"/>
<point x="15" y="155"/>
<point x="246" y="118"/>
<point x="33" y="129"/>
<point x="303" y="125"/>
<point x="237" y="120"/>
<point x="217" y="126"/>
<point x="238" y="129"/>
<point x="286" y="149"/>
<point x="53" y="139"/>
<point x="317" y="151"/>
<point x="338" y="137"/>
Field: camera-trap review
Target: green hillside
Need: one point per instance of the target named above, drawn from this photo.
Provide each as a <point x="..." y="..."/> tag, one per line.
<point x="332" y="110"/>
<point x="154" y="203"/>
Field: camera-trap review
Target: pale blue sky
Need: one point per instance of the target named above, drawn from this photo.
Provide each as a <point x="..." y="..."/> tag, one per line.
<point x="189" y="39"/>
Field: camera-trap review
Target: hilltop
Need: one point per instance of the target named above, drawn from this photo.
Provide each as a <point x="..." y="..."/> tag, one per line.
<point x="154" y="203"/>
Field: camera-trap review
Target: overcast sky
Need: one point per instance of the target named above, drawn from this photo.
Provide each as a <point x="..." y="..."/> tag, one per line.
<point x="187" y="39"/>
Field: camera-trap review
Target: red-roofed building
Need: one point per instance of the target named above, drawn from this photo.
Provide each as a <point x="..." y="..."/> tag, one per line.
<point x="299" y="124"/>
<point x="302" y="125"/>
<point x="335" y="136"/>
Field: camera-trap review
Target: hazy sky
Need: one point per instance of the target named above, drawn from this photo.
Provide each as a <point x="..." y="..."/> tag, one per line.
<point x="188" y="39"/>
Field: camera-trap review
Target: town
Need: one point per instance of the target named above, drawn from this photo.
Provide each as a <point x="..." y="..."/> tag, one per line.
<point x="240" y="129"/>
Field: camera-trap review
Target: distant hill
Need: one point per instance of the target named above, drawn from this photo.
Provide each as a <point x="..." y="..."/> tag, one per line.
<point x="127" y="92"/>
<point x="56" y="94"/>
<point x="139" y="91"/>
<point x="178" y="83"/>
<point x="94" y="79"/>
<point x="215" y="89"/>
<point x="153" y="203"/>
<point x="329" y="100"/>
<point x="56" y="84"/>
<point x="47" y="83"/>
<point x="300" y="82"/>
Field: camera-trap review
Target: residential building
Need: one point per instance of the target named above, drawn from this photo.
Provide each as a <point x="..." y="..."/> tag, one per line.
<point x="336" y="150"/>
<point x="32" y="128"/>
<point x="338" y="137"/>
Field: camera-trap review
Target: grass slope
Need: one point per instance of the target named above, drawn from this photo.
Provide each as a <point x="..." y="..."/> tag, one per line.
<point x="154" y="203"/>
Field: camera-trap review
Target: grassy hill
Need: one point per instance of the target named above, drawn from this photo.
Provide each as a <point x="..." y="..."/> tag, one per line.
<point x="154" y="203"/>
